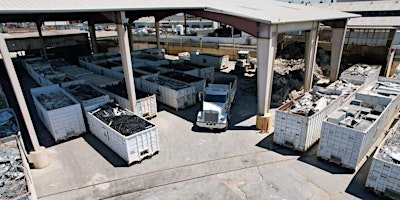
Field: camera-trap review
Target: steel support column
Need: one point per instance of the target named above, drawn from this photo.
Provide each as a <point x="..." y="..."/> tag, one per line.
<point x="310" y="54"/>
<point x="126" y="60"/>
<point x="130" y="36"/>
<point x="93" y="41"/>
<point x="158" y="34"/>
<point x="337" y="40"/>
<point x="266" y="44"/>
<point x="41" y="159"/>
<point x="43" y="44"/>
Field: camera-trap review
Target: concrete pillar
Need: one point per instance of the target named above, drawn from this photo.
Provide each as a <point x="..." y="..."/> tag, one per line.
<point x="43" y="44"/>
<point x="337" y="40"/>
<point x="310" y="55"/>
<point x="389" y="61"/>
<point x="41" y="159"/>
<point x="266" y="44"/>
<point x="126" y="61"/>
<point x="158" y="34"/>
<point x="130" y="36"/>
<point x="184" y="24"/>
<point x="93" y="41"/>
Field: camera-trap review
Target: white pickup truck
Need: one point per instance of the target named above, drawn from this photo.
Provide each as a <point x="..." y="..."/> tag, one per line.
<point x="217" y="101"/>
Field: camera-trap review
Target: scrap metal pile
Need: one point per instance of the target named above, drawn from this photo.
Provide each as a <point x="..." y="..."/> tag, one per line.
<point x="120" y="90"/>
<point x="310" y="104"/>
<point x="8" y="123"/>
<point x="391" y="150"/>
<point x="123" y="121"/>
<point x="12" y="177"/>
<point x="182" y="77"/>
<point x="175" y="85"/>
<point x="83" y="91"/>
<point x="54" y="100"/>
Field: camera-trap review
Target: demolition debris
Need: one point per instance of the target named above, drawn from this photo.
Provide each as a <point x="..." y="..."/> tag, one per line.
<point x="12" y="177"/>
<point x="83" y="92"/>
<point x="175" y="85"/>
<point x="123" y="121"/>
<point x="54" y="100"/>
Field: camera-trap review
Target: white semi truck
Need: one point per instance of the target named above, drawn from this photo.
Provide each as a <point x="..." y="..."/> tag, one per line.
<point x="217" y="101"/>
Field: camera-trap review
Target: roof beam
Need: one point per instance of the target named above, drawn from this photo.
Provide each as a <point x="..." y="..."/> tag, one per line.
<point x="246" y="25"/>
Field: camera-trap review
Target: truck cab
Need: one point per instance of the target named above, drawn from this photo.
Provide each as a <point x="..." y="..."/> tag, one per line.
<point x="217" y="101"/>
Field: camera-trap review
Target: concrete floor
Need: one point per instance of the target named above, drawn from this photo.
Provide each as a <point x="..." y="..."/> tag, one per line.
<point x="193" y="164"/>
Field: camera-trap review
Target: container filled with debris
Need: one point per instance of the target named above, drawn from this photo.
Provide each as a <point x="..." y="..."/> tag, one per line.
<point x="3" y="99"/>
<point x="350" y="132"/>
<point x="147" y="70"/>
<point x="59" y="112"/>
<point x="151" y="61"/>
<point x="104" y="71"/>
<point x="8" y="122"/>
<point x="361" y="74"/>
<point x="32" y="63"/>
<point x="198" y="83"/>
<point x="205" y="72"/>
<point x="15" y="177"/>
<point x="75" y="71"/>
<point x="56" y="63"/>
<point x="173" y="93"/>
<point x="383" y="174"/>
<point x="130" y="136"/>
<point x="85" y="93"/>
<point x="146" y="104"/>
<point x="98" y="80"/>
<point x="298" y="123"/>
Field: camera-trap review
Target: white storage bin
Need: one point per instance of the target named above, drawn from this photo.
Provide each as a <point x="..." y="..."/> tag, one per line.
<point x="85" y="93"/>
<point x="172" y="93"/>
<point x="75" y="71"/>
<point x="384" y="173"/>
<point x="133" y="147"/>
<point x="63" y="122"/>
<point x="146" y="105"/>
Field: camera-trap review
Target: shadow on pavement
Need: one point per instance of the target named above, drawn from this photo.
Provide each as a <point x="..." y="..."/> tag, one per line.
<point x="104" y="151"/>
<point x="268" y="143"/>
<point x="310" y="157"/>
<point x="357" y="184"/>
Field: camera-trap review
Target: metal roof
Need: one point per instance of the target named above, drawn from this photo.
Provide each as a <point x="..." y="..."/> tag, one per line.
<point x="359" y="6"/>
<point x="374" y="22"/>
<point x="266" y="11"/>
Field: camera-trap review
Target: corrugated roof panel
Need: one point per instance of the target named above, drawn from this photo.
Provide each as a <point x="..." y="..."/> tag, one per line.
<point x="266" y="11"/>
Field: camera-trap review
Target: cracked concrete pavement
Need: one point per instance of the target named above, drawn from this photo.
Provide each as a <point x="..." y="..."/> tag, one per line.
<point x="196" y="164"/>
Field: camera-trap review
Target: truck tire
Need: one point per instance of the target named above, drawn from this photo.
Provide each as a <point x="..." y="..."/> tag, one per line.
<point x="226" y="127"/>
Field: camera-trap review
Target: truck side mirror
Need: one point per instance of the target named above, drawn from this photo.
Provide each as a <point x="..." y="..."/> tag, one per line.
<point x="201" y="96"/>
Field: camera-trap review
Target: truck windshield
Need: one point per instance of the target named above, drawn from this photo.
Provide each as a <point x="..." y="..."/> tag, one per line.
<point x="215" y="98"/>
<point x="242" y="56"/>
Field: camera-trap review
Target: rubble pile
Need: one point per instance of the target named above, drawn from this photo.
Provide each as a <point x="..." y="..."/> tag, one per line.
<point x="12" y="177"/>
<point x="391" y="150"/>
<point x="310" y="104"/>
<point x="59" y="63"/>
<point x="54" y="100"/>
<point x="175" y="85"/>
<point x="122" y="121"/>
<point x="120" y="90"/>
<point x="8" y="123"/>
<point x="397" y="73"/>
<point x="45" y="71"/>
<point x="182" y="77"/>
<point x="360" y="70"/>
<point x="84" y="91"/>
